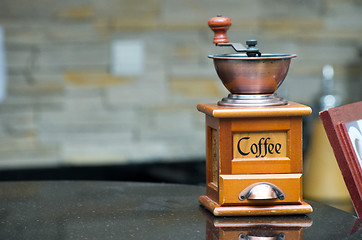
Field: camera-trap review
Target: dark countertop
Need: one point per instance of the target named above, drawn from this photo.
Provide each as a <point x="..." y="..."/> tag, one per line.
<point x="125" y="210"/>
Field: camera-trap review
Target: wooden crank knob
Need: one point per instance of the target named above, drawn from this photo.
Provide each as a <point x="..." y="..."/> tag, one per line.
<point x="220" y="25"/>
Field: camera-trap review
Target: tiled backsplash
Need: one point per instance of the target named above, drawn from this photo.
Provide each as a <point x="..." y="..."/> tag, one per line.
<point x="64" y="107"/>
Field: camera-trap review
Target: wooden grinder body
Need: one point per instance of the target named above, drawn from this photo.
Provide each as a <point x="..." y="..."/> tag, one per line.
<point x="249" y="148"/>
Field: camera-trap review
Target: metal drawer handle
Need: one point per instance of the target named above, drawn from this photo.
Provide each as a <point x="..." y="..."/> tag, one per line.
<point x="242" y="236"/>
<point x="261" y="191"/>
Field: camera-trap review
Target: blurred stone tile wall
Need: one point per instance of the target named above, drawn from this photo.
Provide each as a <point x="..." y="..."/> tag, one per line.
<point x="64" y="107"/>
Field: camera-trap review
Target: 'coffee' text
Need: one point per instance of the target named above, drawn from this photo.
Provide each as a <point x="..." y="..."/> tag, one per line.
<point x="260" y="149"/>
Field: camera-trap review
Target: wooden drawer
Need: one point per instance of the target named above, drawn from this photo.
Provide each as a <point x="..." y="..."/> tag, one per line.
<point x="285" y="189"/>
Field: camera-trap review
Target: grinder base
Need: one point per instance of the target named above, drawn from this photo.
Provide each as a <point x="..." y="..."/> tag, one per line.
<point x="228" y="211"/>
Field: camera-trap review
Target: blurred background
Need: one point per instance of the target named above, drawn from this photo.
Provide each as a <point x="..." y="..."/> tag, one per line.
<point x="108" y="89"/>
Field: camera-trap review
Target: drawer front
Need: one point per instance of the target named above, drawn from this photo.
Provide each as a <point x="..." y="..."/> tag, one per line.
<point x="260" y="189"/>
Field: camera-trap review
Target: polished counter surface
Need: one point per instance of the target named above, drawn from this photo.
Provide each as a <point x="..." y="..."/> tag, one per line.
<point x="125" y="210"/>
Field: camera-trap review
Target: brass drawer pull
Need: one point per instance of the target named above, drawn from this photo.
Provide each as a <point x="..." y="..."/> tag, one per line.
<point x="261" y="191"/>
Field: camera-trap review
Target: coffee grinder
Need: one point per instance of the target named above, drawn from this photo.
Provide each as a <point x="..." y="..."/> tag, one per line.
<point x="253" y="137"/>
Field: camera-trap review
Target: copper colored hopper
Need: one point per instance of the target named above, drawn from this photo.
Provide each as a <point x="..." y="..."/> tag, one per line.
<point x="251" y="77"/>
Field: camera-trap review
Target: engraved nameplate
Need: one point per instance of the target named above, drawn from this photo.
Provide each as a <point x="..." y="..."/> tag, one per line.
<point x="260" y="144"/>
